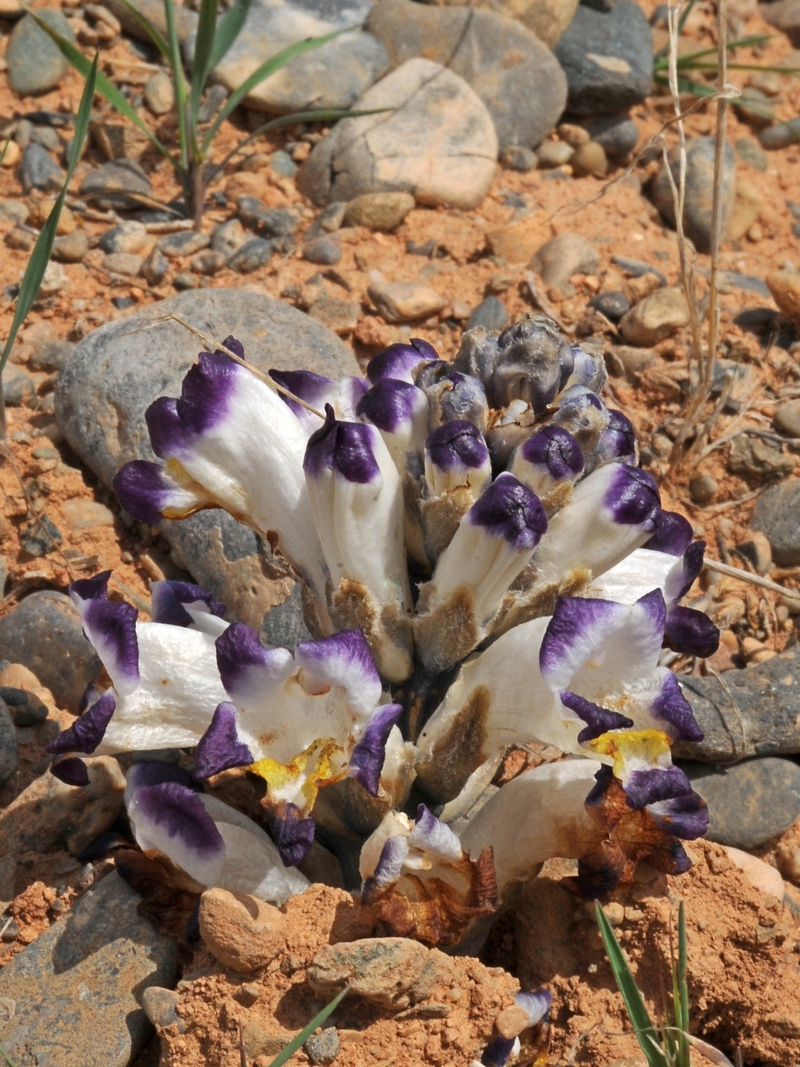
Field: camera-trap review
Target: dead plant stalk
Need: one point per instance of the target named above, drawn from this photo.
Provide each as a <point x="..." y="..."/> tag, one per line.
<point x="704" y="355"/>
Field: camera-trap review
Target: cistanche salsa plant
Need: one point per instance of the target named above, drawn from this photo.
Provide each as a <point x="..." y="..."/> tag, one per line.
<point x="484" y="565"/>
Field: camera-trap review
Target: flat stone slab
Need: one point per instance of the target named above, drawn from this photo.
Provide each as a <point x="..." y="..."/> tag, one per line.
<point x="77" y="989"/>
<point x="757" y="715"/>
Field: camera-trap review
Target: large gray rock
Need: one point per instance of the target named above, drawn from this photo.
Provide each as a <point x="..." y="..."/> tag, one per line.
<point x="778" y="516"/>
<point x="9" y="749"/>
<point x="515" y="75"/>
<point x="754" y="714"/>
<point x="114" y="374"/>
<point x="435" y="139"/>
<point x="331" y="76"/>
<point x="699" y="202"/>
<point x="154" y="11"/>
<point x="749" y="803"/>
<point x="607" y="57"/>
<point x="45" y="634"/>
<point x="74" y="995"/>
<point x="35" y="65"/>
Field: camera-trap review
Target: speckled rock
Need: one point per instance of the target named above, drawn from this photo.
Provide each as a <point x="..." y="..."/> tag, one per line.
<point x="115" y="373"/>
<point x="507" y="65"/>
<point x="777" y="515"/>
<point x="379" y="211"/>
<point x="332" y="76"/>
<point x="404" y="301"/>
<point x="242" y="932"/>
<point x="438" y="143"/>
<point x="655" y="318"/>
<point x="77" y="989"/>
<point x="763" y="721"/>
<point x="697" y="213"/>
<point x="35" y="64"/>
<point x="390" y="972"/>
<point x="749" y="803"/>
<point x="607" y="57"/>
<point x="9" y="749"/>
<point x="45" y="634"/>
<point x="50" y="814"/>
<point x="561" y="257"/>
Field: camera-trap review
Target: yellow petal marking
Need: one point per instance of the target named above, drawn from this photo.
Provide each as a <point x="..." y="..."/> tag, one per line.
<point x="648" y="745"/>
<point x="305" y="774"/>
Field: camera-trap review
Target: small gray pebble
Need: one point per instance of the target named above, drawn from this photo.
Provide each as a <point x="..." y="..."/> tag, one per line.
<point x="46" y="137"/>
<point x="780" y="136"/>
<point x="282" y="163"/>
<point x="323" y="1048"/>
<point x="38" y="170"/>
<point x="228" y="237"/>
<point x="751" y="152"/>
<point x="49" y="355"/>
<point x="40" y="537"/>
<point x="26" y="708"/>
<point x="183" y="243"/>
<point x="490" y="313"/>
<point x="613" y="305"/>
<point x="324" y="251"/>
<point x="122" y="303"/>
<point x="207" y="262"/>
<point x="17" y="387"/>
<point x="71" y="247"/>
<point x="185" y="280"/>
<point x="251" y="256"/>
<point x="703" y="488"/>
<point x="9" y="749"/>
<point x="23" y="132"/>
<point x="518" y="157"/>
<point x="154" y="267"/>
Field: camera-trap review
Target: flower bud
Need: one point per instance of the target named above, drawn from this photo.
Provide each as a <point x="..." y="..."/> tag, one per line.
<point x="547" y="459"/>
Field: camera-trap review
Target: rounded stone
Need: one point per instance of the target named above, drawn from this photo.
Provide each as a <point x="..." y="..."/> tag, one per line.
<point x="331" y="76"/>
<point x="159" y="93"/>
<point x="45" y="634"/>
<point x="787" y="418"/>
<point x="561" y="257"/>
<point x="491" y="313"/>
<point x="323" y="1048"/>
<point x="240" y="931"/>
<point x="129" y="236"/>
<point x="324" y="251"/>
<point x="434" y="139"/>
<point x="379" y="211"/>
<point x="251" y="256"/>
<point x="785" y="288"/>
<point x="703" y="488"/>
<point x="38" y="170"/>
<point x="749" y="803"/>
<point x="509" y="66"/>
<point x="9" y="749"/>
<point x="590" y="158"/>
<point x="777" y="515"/>
<point x="71" y="248"/>
<point x="655" y="318"/>
<point x="607" y="57"/>
<point x="698" y="205"/>
<point x="35" y="63"/>
<point x="618" y="134"/>
<point x="613" y="305"/>
<point x="551" y="154"/>
<point x="517" y="157"/>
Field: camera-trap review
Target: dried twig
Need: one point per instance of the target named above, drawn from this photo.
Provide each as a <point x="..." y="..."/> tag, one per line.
<point x="748" y="576"/>
<point x="207" y="339"/>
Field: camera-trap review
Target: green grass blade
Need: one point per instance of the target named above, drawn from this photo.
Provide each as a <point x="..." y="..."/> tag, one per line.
<point x="307" y="1031"/>
<point x="105" y="87"/>
<point x="682" y="1003"/>
<point x="634" y="1005"/>
<point x="6" y="1057"/>
<point x="228" y="30"/>
<point x="263" y="72"/>
<point x="201" y="62"/>
<point x="152" y="31"/>
<point x="40" y="256"/>
<point x="179" y="79"/>
<point x="688" y="59"/>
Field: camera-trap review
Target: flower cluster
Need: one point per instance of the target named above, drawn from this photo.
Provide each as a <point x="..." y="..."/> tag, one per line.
<point x="484" y="566"/>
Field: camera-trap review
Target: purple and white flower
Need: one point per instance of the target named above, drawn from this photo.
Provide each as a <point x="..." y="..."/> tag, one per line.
<point x="228" y="441"/>
<point x="357" y="502"/>
<point x="210" y="841"/>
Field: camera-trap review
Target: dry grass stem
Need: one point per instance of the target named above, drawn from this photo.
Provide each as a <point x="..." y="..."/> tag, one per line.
<point x="748" y="576"/>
